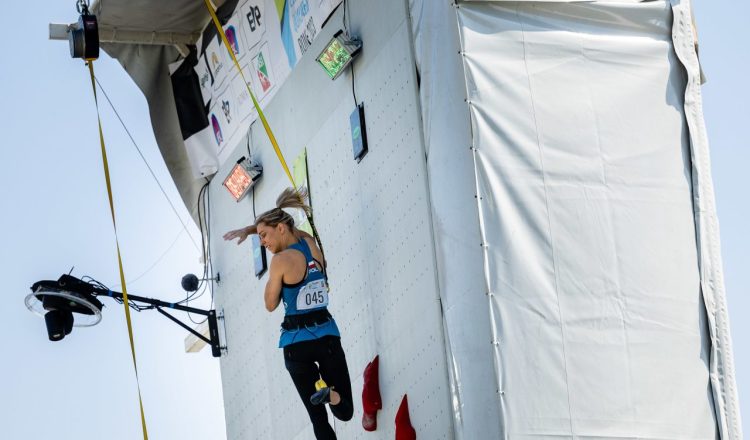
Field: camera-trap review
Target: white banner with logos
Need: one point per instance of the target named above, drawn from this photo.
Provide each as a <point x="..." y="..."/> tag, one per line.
<point x="268" y="37"/>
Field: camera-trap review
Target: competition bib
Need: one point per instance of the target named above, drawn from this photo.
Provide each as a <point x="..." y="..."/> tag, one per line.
<point x="313" y="295"/>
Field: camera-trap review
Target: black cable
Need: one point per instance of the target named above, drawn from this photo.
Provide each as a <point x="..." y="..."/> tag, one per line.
<point x="133" y="305"/>
<point x="155" y="263"/>
<point x="200" y="223"/>
<point x="204" y="223"/>
<point x="250" y="157"/>
<point x="145" y="161"/>
<point x="204" y="230"/>
<point x="207" y="212"/>
<point x="343" y="18"/>
<point x="204" y="217"/>
<point x="250" y="154"/>
<point x="354" y="94"/>
<point x="210" y="260"/>
<point x="205" y="239"/>
<point x="254" y="215"/>
<point x="346" y="29"/>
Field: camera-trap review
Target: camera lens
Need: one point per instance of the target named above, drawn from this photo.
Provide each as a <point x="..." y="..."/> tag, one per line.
<point x="59" y="323"/>
<point x="55" y="321"/>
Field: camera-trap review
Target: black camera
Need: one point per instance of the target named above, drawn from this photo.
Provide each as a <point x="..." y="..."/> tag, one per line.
<point x="84" y="37"/>
<point x="59" y="323"/>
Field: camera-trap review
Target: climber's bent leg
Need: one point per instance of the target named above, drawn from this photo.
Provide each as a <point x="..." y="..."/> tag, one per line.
<point x="334" y="371"/>
<point x="299" y="360"/>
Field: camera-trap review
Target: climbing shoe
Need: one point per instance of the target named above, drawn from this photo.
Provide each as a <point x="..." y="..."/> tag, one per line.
<point x="323" y="393"/>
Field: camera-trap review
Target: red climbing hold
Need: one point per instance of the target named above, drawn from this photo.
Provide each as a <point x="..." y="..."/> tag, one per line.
<point x="404" y="430"/>
<point x="371" y="401"/>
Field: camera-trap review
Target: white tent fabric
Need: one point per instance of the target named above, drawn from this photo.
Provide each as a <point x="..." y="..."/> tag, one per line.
<point x="606" y="309"/>
<point x="712" y="278"/>
<point x="447" y="134"/>
<point x="148" y="66"/>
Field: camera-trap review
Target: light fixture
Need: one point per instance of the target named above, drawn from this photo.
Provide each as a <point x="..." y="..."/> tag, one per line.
<point x="70" y="302"/>
<point x="338" y="53"/>
<point x="242" y="177"/>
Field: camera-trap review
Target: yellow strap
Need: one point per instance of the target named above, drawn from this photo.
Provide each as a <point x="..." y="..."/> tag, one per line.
<point x="119" y="258"/>
<point x="271" y="137"/>
<point x="269" y="132"/>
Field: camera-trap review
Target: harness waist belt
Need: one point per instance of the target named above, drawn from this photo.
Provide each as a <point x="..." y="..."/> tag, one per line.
<point x="296" y="322"/>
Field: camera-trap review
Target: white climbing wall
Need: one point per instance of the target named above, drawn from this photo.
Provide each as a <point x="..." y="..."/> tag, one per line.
<point x="374" y="219"/>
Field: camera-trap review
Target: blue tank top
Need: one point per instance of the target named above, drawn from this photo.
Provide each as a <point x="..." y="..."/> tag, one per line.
<point x="310" y="294"/>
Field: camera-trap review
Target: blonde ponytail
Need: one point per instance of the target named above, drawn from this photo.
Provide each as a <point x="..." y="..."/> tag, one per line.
<point x="293" y="198"/>
<point x="289" y="198"/>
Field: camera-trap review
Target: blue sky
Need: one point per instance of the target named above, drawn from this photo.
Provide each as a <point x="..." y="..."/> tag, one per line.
<point x="726" y="103"/>
<point x="55" y="216"/>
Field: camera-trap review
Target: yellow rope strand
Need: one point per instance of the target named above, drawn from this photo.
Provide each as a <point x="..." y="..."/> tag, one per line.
<point x="119" y="258"/>
<point x="267" y="127"/>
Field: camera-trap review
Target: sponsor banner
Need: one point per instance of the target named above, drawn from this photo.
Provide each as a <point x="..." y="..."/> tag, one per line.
<point x="218" y="63"/>
<point x="253" y="14"/>
<point x="262" y="73"/>
<point x="201" y="152"/>
<point x="243" y="109"/>
<point x="205" y="79"/>
<point x="268" y="38"/>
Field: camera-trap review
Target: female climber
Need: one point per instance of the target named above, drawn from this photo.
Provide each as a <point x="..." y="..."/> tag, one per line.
<point x="309" y="335"/>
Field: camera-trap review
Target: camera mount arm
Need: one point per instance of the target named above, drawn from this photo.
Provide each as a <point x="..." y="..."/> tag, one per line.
<point x="57" y="302"/>
<point x="159" y="305"/>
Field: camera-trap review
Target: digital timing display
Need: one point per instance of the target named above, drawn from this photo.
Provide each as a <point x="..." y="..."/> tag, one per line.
<point x="334" y="58"/>
<point x="238" y="181"/>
